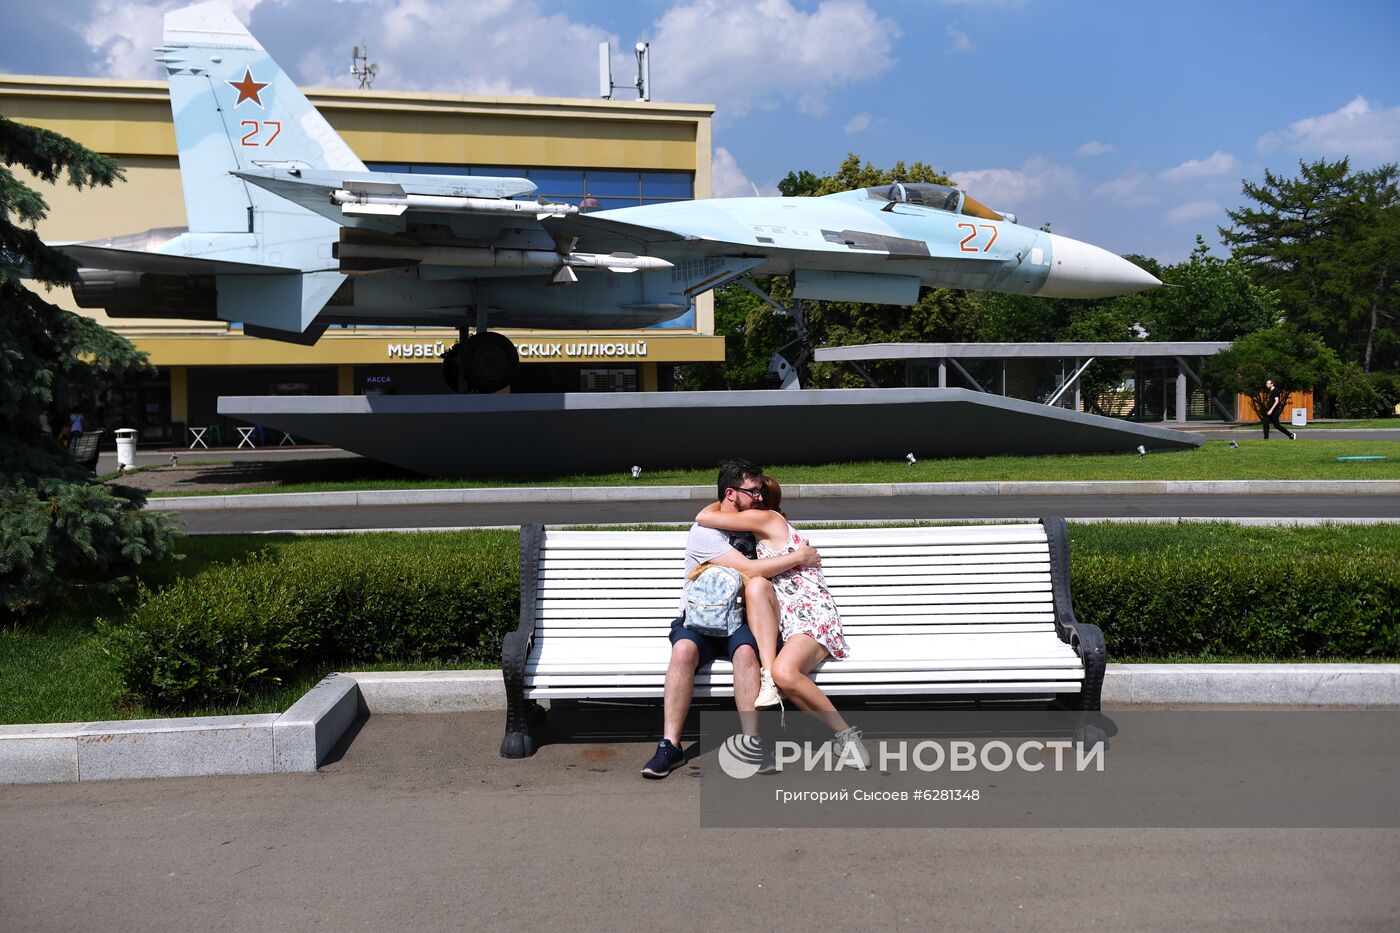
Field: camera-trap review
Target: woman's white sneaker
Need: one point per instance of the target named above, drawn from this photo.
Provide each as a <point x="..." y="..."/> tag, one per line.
<point x="769" y="695"/>
<point x="848" y="749"/>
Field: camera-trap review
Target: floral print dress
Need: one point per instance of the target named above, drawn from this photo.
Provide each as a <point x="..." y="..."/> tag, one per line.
<point x="805" y="605"/>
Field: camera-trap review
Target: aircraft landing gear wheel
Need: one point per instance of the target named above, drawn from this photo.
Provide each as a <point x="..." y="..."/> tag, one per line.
<point x="451" y="368"/>
<point x="489" y="361"/>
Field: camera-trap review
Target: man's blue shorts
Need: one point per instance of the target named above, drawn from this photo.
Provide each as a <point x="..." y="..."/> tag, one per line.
<point x="713" y="646"/>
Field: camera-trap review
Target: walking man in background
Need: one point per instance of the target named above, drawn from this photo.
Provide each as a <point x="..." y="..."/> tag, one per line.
<point x="1272" y="412"/>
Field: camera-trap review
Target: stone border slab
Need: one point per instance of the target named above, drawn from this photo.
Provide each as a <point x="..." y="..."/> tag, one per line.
<point x="175" y="747"/>
<point x="431" y="691"/>
<point x="503" y="495"/>
<point x="1267" y="684"/>
<point x="303" y="736"/>
<point x="299" y="739"/>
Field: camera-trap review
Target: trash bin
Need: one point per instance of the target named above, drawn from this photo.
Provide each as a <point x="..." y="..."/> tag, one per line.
<point x="126" y="448"/>
<point x="1300" y="417"/>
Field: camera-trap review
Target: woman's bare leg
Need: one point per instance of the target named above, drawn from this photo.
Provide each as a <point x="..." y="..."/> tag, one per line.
<point x="800" y="654"/>
<point x="761" y="608"/>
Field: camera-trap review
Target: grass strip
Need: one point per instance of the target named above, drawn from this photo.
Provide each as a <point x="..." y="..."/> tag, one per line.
<point x="1253" y="459"/>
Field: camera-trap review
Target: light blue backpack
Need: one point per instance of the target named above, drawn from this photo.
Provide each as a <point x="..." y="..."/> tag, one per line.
<point x="712" y="602"/>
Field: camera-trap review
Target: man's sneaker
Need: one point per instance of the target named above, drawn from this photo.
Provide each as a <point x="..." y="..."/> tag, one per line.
<point x="767" y="764"/>
<point x="769" y="695"/>
<point x="751" y="750"/>
<point x="667" y="759"/>
<point x="848" y="747"/>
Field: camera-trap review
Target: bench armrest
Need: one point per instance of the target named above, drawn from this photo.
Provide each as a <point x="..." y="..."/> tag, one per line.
<point x="515" y="647"/>
<point x="1086" y="640"/>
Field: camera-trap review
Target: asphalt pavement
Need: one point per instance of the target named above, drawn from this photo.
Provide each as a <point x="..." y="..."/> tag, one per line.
<point x="883" y="508"/>
<point x="418" y="825"/>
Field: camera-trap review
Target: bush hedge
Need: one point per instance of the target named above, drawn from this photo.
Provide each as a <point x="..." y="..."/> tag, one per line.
<point x="1206" y="604"/>
<point x="1203" y="591"/>
<point x="237" y="628"/>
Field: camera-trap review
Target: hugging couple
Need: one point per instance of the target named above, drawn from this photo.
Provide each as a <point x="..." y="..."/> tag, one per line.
<point x="784" y="595"/>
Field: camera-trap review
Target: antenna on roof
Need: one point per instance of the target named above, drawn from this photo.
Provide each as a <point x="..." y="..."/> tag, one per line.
<point x="605" y="81"/>
<point x="360" y="67"/>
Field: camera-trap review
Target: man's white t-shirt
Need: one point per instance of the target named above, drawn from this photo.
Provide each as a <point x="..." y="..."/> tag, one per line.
<point x="701" y="545"/>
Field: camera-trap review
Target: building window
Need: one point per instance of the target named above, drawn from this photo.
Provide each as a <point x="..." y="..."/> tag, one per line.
<point x="611" y="379"/>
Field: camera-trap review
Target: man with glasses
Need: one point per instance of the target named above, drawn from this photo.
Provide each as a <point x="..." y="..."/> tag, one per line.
<point x="739" y="490"/>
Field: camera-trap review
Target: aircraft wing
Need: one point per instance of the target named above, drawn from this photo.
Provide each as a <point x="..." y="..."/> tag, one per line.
<point x="604" y="235"/>
<point x="117" y="259"/>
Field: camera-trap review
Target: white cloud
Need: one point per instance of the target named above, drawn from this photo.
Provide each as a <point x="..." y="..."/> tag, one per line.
<point x="757" y="56"/>
<point x="1005" y="188"/>
<point x="1367" y="134"/>
<point x="1131" y="190"/>
<point x="1217" y="163"/>
<point x="729" y="181"/>
<point x="857" y="124"/>
<point x="741" y="57"/>
<point x="961" y="41"/>
<point x="1194" y="210"/>
<point x="1094" y="148"/>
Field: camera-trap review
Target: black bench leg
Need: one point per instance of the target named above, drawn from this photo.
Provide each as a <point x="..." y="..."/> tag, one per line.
<point x="1095" y="654"/>
<point x="518" y="741"/>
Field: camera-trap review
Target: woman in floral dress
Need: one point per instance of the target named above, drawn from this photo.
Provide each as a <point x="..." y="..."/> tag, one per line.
<point x="807" y="615"/>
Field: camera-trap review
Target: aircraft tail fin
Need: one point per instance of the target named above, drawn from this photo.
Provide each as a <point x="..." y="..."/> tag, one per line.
<point x="236" y="110"/>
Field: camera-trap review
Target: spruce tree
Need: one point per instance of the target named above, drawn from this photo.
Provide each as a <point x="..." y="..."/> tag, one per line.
<point x="61" y="530"/>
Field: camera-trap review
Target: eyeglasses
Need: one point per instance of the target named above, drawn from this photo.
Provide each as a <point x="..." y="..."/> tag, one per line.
<point x="756" y="493"/>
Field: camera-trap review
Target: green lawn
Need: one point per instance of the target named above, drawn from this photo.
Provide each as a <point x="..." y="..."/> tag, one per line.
<point x="53" y="668"/>
<point x="1372" y="424"/>
<point x="1254" y="459"/>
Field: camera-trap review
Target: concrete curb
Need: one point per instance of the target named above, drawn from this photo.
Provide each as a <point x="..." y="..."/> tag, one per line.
<point x="1266" y="684"/>
<point x="284" y="500"/>
<point x="299" y="739"/>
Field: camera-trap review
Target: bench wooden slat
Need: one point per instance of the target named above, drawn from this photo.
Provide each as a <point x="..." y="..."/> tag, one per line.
<point x="834" y="555"/>
<point x="1029" y="577"/>
<point x="956" y="688"/>
<point x="630" y="603"/>
<point x="641" y="540"/>
<point x="609" y="630"/>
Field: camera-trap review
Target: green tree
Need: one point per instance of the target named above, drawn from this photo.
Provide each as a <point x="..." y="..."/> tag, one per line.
<point x="1206" y="298"/>
<point x="59" y="527"/>
<point x="1328" y="242"/>
<point x="1294" y="359"/>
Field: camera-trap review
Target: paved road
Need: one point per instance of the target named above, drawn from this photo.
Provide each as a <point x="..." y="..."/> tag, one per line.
<point x="420" y="826"/>
<point x="892" y="508"/>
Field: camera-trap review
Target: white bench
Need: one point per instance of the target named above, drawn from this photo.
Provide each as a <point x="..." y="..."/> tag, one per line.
<point x="957" y="611"/>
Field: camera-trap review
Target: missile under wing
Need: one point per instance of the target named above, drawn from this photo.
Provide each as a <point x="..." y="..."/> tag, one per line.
<point x="290" y="233"/>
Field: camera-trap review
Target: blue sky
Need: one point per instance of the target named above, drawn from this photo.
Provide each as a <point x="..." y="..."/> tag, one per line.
<point x="1128" y="124"/>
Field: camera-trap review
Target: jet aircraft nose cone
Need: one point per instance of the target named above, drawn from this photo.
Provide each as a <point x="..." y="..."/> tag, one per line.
<point x="1081" y="270"/>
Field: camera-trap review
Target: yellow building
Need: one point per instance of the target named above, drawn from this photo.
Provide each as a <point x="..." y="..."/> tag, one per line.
<point x="622" y="153"/>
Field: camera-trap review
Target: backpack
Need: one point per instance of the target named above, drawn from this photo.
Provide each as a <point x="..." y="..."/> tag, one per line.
<point x="712" y="602"/>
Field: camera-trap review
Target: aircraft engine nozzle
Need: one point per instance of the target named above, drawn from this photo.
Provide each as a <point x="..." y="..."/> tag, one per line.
<point x="1081" y="270"/>
<point x="146" y="294"/>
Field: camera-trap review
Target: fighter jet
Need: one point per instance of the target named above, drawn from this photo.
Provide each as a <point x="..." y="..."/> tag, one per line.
<point x="289" y="233"/>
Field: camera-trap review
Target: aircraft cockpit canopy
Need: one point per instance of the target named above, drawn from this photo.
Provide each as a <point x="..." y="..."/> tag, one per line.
<point x="938" y="197"/>
<point x="942" y="197"/>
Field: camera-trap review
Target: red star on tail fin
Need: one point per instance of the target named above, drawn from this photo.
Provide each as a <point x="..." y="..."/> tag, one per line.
<point x="248" y="89"/>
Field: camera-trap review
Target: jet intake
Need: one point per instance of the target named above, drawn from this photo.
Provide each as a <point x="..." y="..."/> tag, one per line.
<point x="147" y="294"/>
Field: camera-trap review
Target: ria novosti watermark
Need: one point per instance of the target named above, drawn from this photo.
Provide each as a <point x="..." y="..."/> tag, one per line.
<point x="927" y="755"/>
<point x="933" y="767"/>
